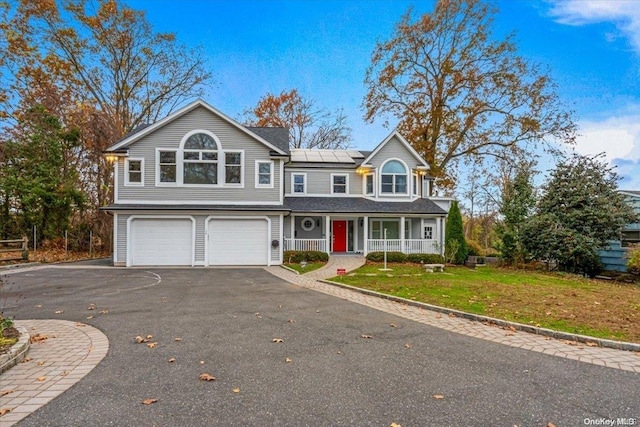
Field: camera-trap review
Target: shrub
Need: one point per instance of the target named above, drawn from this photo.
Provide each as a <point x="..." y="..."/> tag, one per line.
<point x="633" y="262"/>
<point x="391" y="257"/>
<point x="294" y="257"/>
<point x="425" y="258"/>
<point x="455" y="244"/>
<point x="475" y="249"/>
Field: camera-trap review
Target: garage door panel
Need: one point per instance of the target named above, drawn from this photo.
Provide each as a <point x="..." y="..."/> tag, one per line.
<point x="238" y="242"/>
<point x="160" y="241"/>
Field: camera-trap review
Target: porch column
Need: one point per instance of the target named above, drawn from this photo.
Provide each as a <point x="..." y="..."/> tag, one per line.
<point x="443" y="221"/>
<point x="402" y="226"/>
<point x="293" y="233"/>
<point x="365" y="238"/>
<point x="327" y="232"/>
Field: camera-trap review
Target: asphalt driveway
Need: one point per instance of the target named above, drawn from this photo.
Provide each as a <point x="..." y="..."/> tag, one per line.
<point x="228" y="318"/>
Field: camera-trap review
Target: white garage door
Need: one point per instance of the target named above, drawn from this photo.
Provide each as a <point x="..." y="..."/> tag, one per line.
<point x="238" y="242"/>
<point x="161" y="241"/>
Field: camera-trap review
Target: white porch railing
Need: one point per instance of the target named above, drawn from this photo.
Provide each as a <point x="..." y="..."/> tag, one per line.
<point x="411" y="246"/>
<point x="305" y="245"/>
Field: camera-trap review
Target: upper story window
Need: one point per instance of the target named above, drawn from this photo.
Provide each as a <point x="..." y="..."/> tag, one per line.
<point x="199" y="161"/>
<point x="369" y="184"/>
<point x="299" y="184"/>
<point x="393" y="178"/>
<point x="264" y="174"/>
<point x="414" y="184"/>
<point x="339" y="184"/>
<point x="134" y="172"/>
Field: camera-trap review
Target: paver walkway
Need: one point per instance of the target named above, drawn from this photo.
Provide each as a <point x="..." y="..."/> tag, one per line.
<point x="70" y="352"/>
<point x="619" y="359"/>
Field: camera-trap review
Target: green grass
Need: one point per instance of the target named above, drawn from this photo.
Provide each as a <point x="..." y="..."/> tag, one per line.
<point x="556" y="301"/>
<point x="309" y="267"/>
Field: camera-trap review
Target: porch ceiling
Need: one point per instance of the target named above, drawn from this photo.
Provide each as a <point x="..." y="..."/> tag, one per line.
<point x="360" y="205"/>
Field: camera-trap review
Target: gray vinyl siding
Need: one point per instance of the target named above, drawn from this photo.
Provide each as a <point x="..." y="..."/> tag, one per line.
<point x="316" y="233"/>
<point x="121" y="244"/>
<point x="275" y="235"/>
<point x="416" y="228"/>
<point x="394" y="149"/>
<point x="319" y="181"/>
<point x="169" y="137"/>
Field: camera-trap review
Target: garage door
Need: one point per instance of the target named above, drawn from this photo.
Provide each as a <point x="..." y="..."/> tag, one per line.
<point x="161" y="241"/>
<point x="238" y="242"/>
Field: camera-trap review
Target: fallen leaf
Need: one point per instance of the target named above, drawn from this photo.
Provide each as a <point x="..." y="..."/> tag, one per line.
<point x="592" y="344"/>
<point x="366" y="336"/>
<point x="41" y="379"/>
<point x="207" y="377"/>
<point x="149" y="337"/>
<point x="5" y="411"/>
<point x="104" y="311"/>
<point x="551" y="425"/>
<point x="452" y="315"/>
<point x="438" y="316"/>
<point x="202" y="362"/>
<point x="407" y="345"/>
<point x="236" y="390"/>
<point x="91" y="348"/>
<point x="152" y="344"/>
<point x="38" y="338"/>
<point x="40" y="363"/>
<point x="177" y="339"/>
<point x="38" y="306"/>
<point x="510" y="334"/>
<point x="5" y="392"/>
<point x="392" y="325"/>
<point x="277" y="340"/>
<point x="59" y="311"/>
<point x="394" y="425"/>
<point x="149" y="401"/>
<point x="287" y="360"/>
<point x="140" y="339"/>
<point x="80" y="325"/>
<point x="64" y="373"/>
<point x="26" y="359"/>
<point x="438" y="396"/>
<point x="339" y="352"/>
<point x="291" y="321"/>
<point x="90" y="317"/>
<point x="317" y="311"/>
<point x="173" y="359"/>
<point x="91" y="307"/>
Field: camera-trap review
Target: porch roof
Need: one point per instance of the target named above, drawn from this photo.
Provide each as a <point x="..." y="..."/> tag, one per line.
<point x="360" y="205"/>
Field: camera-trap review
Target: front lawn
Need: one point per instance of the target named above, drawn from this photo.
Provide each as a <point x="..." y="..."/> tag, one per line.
<point x="556" y="301"/>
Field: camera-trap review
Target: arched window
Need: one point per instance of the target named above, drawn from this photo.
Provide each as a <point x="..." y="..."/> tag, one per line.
<point x="394" y="178"/>
<point x="200" y="159"/>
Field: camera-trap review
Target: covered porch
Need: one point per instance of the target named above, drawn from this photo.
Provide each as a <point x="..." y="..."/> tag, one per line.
<point x="361" y="234"/>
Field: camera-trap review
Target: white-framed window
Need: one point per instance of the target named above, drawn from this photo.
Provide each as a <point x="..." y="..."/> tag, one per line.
<point x="264" y="174"/>
<point x="167" y="166"/>
<point x="200" y="161"/>
<point x="368" y="185"/>
<point x="299" y="183"/>
<point x="307" y="224"/>
<point x="393" y="178"/>
<point x="134" y="172"/>
<point x="379" y="225"/>
<point x="414" y="184"/>
<point x="339" y="183"/>
<point x="233" y="167"/>
<point x="427" y="232"/>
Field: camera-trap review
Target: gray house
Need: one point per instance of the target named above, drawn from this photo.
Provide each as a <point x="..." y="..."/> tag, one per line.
<point x="614" y="257"/>
<point x="197" y="188"/>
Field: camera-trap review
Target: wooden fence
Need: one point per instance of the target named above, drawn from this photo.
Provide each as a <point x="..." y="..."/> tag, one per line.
<point x="17" y="249"/>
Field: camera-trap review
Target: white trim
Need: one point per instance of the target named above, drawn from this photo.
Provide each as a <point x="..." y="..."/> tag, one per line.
<point x="206" y="132"/>
<point x="373" y="184"/>
<point x="224" y="172"/>
<point x="165" y="202"/>
<point x="293" y="183"/>
<point x="115" y="238"/>
<point x="346" y="188"/>
<point x="128" y="183"/>
<point x="382" y="194"/>
<point x="197" y="103"/>
<point x="281" y="247"/>
<point x="157" y="167"/>
<point x="129" y="260"/>
<point x="313" y="223"/>
<point x="206" y="234"/>
<point x="116" y="171"/>
<point x="403" y="141"/>
<point x="271" y="176"/>
<point x="282" y="179"/>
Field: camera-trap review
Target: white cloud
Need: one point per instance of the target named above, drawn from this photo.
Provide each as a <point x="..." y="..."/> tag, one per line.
<point x="619" y="138"/>
<point x="624" y="14"/>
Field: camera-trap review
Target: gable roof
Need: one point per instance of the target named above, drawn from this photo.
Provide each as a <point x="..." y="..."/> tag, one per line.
<point x="403" y="141"/>
<point x="146" y="130"/>
<point x="278" y="136"/>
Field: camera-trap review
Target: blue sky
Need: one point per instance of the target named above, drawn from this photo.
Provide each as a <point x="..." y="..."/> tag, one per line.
<point x="322" y="48"/>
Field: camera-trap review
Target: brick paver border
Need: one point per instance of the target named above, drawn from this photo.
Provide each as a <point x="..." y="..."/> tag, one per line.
<point x="70" y="351"/>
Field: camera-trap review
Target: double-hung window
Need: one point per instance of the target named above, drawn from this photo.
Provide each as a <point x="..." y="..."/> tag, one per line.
<point x="264" y="174"/>
<point x="167" y="166"/>
<point x="233" y="167"/>
<point x="393" y="178"/>
<point x="134" y="172"/>
<point x="339" y="184"/>
<point x="299" y="183"/>
<point x="369" y="184"/>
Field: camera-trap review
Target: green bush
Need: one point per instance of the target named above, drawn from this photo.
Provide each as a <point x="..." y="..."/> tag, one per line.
<point x="633" y="262"/>
<point x="391" y="257"/>
<point x="308" y="256"/>
<point x="425" y="258"/>
<point x="455" y="244"/>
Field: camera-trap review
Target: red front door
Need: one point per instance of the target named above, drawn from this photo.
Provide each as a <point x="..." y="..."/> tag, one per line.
<point x="339" y="236"/>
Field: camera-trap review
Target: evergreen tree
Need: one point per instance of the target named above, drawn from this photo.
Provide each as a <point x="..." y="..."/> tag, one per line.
<point x="455" y="245"/>
<point x="579" y="212"/>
